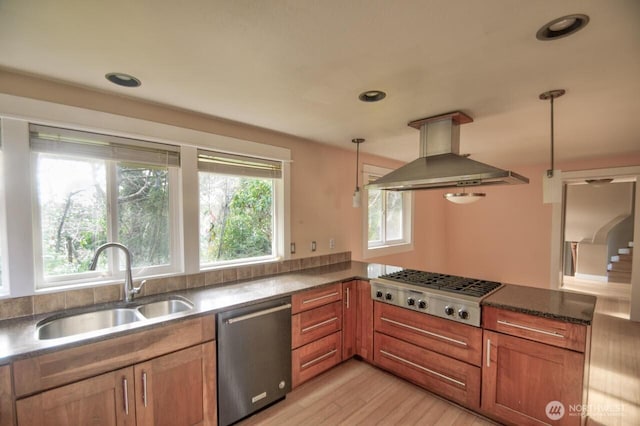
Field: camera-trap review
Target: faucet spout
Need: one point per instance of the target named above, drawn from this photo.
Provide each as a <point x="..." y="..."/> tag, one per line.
<point x="129" y="289"/>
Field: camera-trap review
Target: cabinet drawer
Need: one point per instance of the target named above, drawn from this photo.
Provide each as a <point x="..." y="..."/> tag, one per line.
<point x="311" y="325"/>
<point x="316" y="357"/>
<point x="552" y="332"/>
<point x="317" y="297"/>
<point x="463" y="342"/>
<point x="448" y="377"/>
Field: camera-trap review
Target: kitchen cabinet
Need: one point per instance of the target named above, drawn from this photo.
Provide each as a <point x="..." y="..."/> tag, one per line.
<point x="349" y="318"/>
<point x="175" y="389"/>
<point x="317" y="357"/>
<point x="439" y="355"/>
<point x="364" y="322"/>
<point x="107" y="399"/>
<point x="178" y="388"/>
<point x="315" y="323"/>
<point x="163" y="376"/>
<point x="6" y="397"/>
<point x="316" y="332"/>
<point x="529" y="374"/>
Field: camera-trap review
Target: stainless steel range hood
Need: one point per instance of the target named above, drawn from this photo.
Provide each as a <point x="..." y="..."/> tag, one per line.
<point x="440" y="165"/>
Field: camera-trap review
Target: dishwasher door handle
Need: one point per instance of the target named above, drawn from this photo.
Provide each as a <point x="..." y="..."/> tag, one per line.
<point x="258" y="314"/>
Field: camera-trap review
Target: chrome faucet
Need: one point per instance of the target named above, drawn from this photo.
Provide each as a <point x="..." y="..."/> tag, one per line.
<point x="129" y="289"/>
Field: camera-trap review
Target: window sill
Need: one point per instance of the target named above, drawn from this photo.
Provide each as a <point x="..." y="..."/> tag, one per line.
<point x="387" y="250"/>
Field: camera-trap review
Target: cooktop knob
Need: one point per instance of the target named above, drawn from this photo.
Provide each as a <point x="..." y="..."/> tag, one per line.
<point x="379" y="294"/>
<point x="448" y="310"/>
<point x="411" y="301"/>
<point x="463" y="314"/>
<point x="422" y="304"/>
<point x="388" y="296"/>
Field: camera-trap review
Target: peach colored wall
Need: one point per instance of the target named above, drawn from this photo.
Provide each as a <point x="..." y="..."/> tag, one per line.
<point x="506" y="237"/>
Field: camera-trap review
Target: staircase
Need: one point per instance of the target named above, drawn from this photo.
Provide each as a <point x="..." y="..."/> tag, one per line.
<point x="619" y="270"/>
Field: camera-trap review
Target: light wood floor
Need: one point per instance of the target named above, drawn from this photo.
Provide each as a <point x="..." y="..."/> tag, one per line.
<point x="355" y="393"/>
<point x="614" y="384"/>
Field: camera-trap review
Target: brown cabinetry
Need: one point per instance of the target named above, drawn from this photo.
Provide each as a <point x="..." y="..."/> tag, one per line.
<point x="364" y="322"/>
<point x="7" y="417"/>
<point x="528" y="375"/>
<point x="439" y="355"/>
<point x="349" y="318"/>
<point x="172" y="387"/>
<point x="316" y="332"/>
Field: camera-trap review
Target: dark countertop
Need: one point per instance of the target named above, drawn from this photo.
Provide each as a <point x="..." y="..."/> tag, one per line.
<point x="561" y="305"/>
<point x="18" y="336"/>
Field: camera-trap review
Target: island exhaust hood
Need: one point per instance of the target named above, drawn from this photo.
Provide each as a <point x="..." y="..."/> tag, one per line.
<point x="440" y="165"/>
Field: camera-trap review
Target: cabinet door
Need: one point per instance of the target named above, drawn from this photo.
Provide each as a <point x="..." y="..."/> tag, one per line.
<point x="106" y="400"/>
<point x="6" y="397"/>
<point x="178" y="389"/>
<point x="349" y="318"/>
<point x="521" y="380"/>
<point x="364" y="334"/>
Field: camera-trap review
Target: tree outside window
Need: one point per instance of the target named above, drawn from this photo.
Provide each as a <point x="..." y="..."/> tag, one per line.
<point x="236" y="218"/>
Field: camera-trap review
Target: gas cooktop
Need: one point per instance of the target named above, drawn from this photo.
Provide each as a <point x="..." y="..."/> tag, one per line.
<point x="448" y="283"/>
<point x="446" y="296"/>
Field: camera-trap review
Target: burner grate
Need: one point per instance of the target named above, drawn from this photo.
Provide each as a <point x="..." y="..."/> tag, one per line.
<point x="450" y="283"/>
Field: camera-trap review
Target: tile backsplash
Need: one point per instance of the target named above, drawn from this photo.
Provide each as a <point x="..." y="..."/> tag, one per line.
<point x="49" y="302"/>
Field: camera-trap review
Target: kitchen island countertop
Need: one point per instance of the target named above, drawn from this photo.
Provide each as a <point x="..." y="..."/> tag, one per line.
<point x="561" y="305"/>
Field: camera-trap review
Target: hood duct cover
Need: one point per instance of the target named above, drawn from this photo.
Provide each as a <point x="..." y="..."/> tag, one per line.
<point x="440" y="165"/>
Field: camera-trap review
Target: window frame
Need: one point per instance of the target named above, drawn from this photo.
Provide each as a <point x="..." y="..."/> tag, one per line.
<point x="113" y="273"/>
<point x="4" y="264"/>
<point x="386" y="247"/>
<point x="278" y="193"/>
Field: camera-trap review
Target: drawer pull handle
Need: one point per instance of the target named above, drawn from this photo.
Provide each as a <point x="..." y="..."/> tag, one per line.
<point x="488" y="352"/>
<point x="397" y="358"/>
<point x="144" y="388"/>
<point x="126" y="396"/>
<point x="535" y="330"/>
<point x="320" y="324"/>
<point x="315" y="299"/>
<point x="347" y="297"/>
<point x="320" y="358"/>
<point x="419" y="330"/>
<point x="258" y="314"/>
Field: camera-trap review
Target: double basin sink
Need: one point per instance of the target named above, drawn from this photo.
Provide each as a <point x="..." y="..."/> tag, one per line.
<point x="57" y="327"/>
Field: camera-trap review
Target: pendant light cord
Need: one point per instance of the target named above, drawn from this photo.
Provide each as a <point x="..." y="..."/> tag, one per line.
<point x="551" y="95"/>
<point x="550" y="171"/>
<point x="357" y="163"/>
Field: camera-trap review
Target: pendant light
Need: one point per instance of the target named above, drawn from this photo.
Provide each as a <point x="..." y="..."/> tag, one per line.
<point x="552" y="184"/>
<point x="356" y="193"/>
<point x="464" y="197"/>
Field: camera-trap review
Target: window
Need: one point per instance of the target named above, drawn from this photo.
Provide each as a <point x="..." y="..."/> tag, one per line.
<point x="3" y="270"/>
<point x="237" y="208"/>
<point x="388" y="217"/>
<point x="92" y="189"/>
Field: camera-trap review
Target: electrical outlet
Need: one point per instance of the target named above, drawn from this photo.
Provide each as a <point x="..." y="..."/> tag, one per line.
<point x="313" y="246"/>
<point x="332" y="243"/>
<point x="293" y="248"/>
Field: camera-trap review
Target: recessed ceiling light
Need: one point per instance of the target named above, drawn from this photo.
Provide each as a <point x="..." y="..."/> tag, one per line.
<point x="122" y="79"/>
<point x="372" y="96"/>
<point x="562" y="27"/>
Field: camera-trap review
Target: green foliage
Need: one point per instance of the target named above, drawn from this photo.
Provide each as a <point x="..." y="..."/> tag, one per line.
<point x="248" y="231"/>
<point x="236" y="217"/>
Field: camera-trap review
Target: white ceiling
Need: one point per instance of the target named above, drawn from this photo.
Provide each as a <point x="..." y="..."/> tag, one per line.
<point x="297" y="66"/>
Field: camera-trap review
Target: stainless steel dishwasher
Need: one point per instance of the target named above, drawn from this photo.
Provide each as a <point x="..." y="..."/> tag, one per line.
<point x="254" y="358"/>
